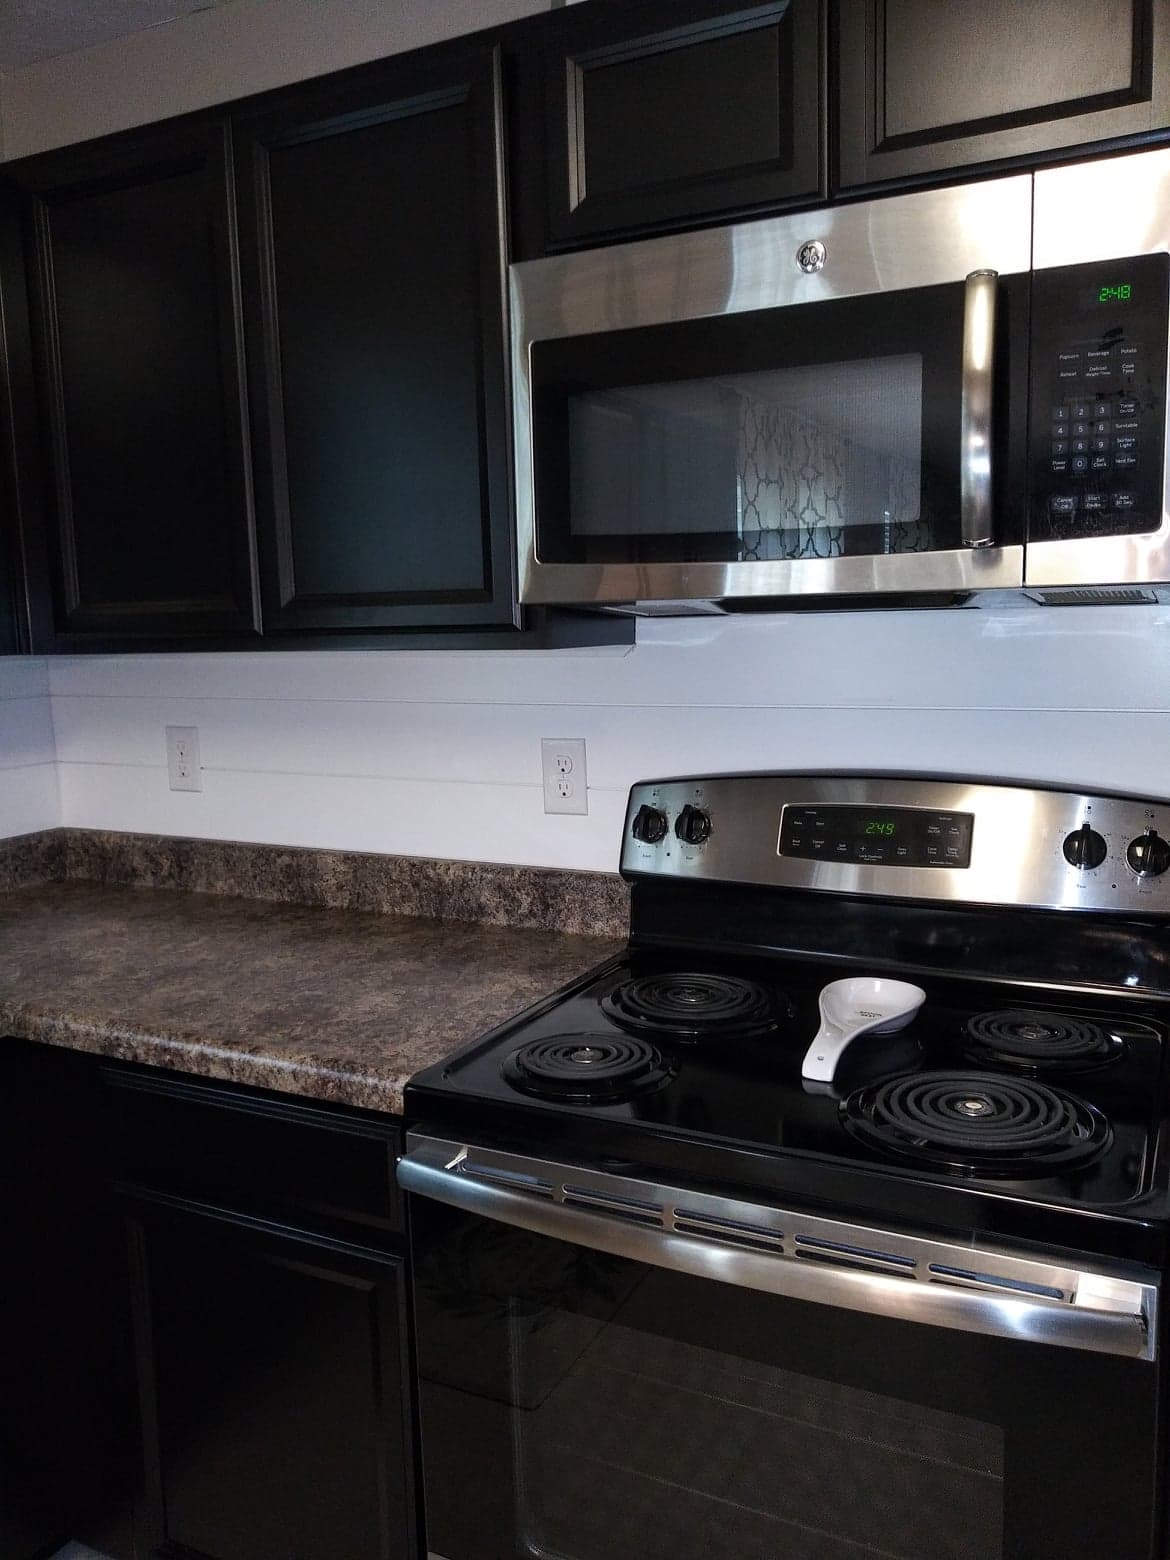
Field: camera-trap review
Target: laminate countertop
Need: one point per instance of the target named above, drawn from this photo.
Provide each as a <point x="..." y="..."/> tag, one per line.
<point x="333" y="1004"/>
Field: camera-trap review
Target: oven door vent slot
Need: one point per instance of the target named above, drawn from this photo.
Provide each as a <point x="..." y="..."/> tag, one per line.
<point x="617" y="1207"/>
<point x="737" y="1232"/>
<point x="514" y="1180"/>
<point x="813" y="1248"/>
<point x="939" y="1273"/>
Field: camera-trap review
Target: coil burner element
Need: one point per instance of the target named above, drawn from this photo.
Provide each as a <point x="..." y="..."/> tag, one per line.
<point x="1031" y="1039"/>
<point x="587" y="1069"/>
<point x="688" y="1005"/>
<point x="977" y="1124"/>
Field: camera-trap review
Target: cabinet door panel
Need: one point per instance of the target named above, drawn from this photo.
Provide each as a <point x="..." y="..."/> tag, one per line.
<point x="273" y="1390"/>
<point x="375" y="273"/>
<point x="928" y="87"/>
<point x="660" y="114"/>
<point x="137" y="343"/>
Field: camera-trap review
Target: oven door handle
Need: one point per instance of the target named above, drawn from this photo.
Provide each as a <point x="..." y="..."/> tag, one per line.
<point x="975" y="516"/>
<point x="447" y="1173"/>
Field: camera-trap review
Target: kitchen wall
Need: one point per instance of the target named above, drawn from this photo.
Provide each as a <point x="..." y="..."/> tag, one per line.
<point x="29" y="798"/>
<point x="438" y="753"/>
<point x="224" y="52"/>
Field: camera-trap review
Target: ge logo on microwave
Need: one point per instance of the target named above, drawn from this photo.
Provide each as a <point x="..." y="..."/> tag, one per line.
<point x="810" y="256"/>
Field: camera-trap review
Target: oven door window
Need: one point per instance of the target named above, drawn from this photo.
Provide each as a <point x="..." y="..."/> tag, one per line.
<point x="578" y="1406"/>
<point x="820" y="431"/>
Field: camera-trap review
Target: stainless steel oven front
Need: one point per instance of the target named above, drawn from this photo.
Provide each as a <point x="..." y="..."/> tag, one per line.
<point x="937" y="392"/>
<point x="612" y="1365"/>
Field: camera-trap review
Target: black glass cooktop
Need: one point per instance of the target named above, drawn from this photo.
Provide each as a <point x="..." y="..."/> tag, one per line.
<point x="1049" y="1097"/>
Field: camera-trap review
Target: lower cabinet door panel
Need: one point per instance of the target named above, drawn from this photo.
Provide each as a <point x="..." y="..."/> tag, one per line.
<point x="273" y="1390"/>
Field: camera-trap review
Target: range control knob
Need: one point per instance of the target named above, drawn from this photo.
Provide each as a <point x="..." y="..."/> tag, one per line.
<point x="1084" y="848"/>
<point x="1149" y="854"/>
<point x="649" y="825"/>
<point x="693" y="825"/>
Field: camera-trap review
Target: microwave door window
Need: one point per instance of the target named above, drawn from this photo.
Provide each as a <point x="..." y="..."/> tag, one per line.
<point x="815" y="461"/>
<point x="830" y="460"/>
<point x="650" y="459"/>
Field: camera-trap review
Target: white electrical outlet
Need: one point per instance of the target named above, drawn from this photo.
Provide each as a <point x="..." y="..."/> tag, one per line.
<point x="183" y="758"/>
<point x="562" y="763"/>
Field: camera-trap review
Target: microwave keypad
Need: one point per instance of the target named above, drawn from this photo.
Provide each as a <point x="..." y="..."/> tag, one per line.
<point x="1098" y="398"/>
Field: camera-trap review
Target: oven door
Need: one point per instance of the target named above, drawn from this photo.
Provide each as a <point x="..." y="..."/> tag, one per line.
<point x="612" y="1368"/>
<point x="698" y="417"/>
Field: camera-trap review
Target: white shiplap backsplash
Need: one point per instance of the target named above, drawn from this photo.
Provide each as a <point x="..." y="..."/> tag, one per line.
<point x="438" y="753"/>
<point x="29" y="798"/>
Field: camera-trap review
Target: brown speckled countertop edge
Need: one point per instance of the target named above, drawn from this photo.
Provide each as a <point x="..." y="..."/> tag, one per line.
<point x="200" y="1058"/>
<point x="547" y="898"/>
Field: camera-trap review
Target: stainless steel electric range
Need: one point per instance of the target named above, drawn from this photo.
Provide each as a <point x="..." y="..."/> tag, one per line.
<point x="829" y="1220"/>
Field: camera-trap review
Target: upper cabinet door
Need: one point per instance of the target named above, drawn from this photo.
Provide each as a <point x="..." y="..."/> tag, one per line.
<point x="663" y="114"/>
<point x="927" y="86"/>
<point x="136" y="337"/>
<point x="371" y="228"/>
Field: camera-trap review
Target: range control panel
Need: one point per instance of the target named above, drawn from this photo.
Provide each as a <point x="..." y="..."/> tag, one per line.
<point x="952" y="839"/>
<point x="1098" y="398"/>
<point x="876" y="836"/>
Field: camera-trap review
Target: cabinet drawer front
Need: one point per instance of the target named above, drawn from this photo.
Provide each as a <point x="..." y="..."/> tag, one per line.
<point x="260" y="1151"/>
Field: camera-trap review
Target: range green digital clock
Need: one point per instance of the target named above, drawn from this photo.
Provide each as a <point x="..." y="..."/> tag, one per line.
<point x="1119" y="292"/>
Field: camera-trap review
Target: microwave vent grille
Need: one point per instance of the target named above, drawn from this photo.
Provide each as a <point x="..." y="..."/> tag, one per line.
<point x="1094" y="596"/>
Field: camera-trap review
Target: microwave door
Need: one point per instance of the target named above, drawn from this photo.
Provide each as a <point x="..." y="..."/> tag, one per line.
<point x="695" y="423"/>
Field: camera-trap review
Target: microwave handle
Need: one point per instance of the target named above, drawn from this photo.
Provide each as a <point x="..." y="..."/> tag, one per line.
<point x="436" y="1169"/>
<point x="976" y="410"/>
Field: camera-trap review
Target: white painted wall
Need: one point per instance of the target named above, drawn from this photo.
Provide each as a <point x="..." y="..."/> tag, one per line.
<point x="29" y="798"/>
<point x="219" y="54"/>
<point x="438" y="753"/>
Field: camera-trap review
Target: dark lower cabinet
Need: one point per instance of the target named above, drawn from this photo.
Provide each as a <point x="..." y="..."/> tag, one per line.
<point x="373" y="249"/>
<point x="664" y="113"/>
<point x="274" y="1373"/>
<point x="224" y="1374"/>
<point x="273" y="1380"/>
<point x="931" y="86"/>
<point x="139" y="472"/>
<point x="68" y="1441"/>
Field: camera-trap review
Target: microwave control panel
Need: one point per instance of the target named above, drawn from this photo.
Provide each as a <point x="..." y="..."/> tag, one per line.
<point x="1098" y="398"/>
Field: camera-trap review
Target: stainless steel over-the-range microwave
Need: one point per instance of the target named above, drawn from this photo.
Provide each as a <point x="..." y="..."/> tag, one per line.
<point x="940" y="392"/>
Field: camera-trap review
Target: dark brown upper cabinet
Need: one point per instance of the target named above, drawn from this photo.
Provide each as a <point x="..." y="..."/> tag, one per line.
<point x="667" y="113"/>
<point x="373" y="274"/>
<point x="139" y="470"/>
<point x="928" y="87"/>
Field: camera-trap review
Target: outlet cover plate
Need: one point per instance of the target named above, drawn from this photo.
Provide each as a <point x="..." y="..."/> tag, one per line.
<point x="183" y="768"/>
<point x="562" y="765"/>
